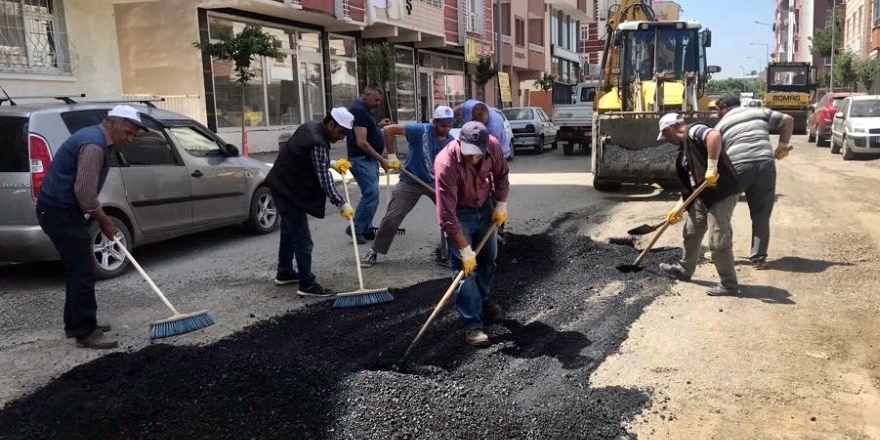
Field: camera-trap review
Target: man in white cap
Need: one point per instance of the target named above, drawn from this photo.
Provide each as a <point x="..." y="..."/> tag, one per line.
<point x="470" y="173"/>
<point x="702" y="158"/>
<point x="301" y="182"/>
<point x="68" y="200"/>
<point x="425" y="141"/>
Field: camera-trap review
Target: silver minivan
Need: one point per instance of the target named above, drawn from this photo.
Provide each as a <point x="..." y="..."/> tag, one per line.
<point x="175" y="179"/>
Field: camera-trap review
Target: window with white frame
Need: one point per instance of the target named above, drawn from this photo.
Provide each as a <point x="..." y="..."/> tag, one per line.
<point x="434" y="3"/>
<point x="474" y="19"/>
<point x="33" y="37"/>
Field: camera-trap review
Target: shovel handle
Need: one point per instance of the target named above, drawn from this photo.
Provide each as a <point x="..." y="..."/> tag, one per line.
<point x="448" y="293"/>
<point x="681" y="209"/>
<point x="416" y="179"/>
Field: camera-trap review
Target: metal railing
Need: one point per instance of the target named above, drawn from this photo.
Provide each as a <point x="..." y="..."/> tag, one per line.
<point x="33" y="38"/>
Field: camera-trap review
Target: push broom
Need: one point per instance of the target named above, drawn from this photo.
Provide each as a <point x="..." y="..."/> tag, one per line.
<point x="178" y="323"/>
<point x="362" y="296"/>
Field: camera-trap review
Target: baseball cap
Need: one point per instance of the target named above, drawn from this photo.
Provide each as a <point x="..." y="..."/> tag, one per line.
<point x="342" y="117"/>
<point x="474" y="138"/>
<point x="127" y="112"/>
<point x="443" y="115"/>
<point x="668" y="120"/>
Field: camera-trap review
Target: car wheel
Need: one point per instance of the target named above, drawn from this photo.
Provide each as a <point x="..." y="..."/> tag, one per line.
<point x="512" y="153"/>
<point x="263" y="217"/>
<point x="811" y="137"/>
<point x="539" y="149"/>
<point x="555" y="144"/>
<point x="821" y="141"/>
<point x="847" y="153"/>
<point x="835" y="149"/>
<point x="110" y="261"/>
<point x="568" y="148"/>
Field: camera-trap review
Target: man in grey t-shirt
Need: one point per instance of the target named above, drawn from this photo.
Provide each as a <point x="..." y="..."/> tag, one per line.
<point x="745" y="134"/>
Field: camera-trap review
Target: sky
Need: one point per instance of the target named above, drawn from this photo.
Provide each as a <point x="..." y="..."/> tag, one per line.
<point x="733" y="30"/>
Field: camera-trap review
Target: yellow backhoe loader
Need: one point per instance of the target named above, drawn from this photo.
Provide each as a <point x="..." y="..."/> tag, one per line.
<point x="649" y="68"/>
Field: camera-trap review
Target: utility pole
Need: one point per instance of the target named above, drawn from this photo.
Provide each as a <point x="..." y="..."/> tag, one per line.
<point x="833" y="32"/>
<point x="499" y="49"/>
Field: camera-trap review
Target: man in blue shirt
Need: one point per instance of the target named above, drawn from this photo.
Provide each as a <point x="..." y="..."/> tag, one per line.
<point x="365" y="150"/>
<point x="475" y="110"/>
<point x="425" y="141"/>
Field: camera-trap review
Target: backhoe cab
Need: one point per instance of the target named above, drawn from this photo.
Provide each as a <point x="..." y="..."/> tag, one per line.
<point x="655" y="67"/>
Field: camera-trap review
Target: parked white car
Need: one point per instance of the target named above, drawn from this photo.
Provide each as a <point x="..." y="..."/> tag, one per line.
<point x="856" y="127"/>
<point x="532" y="128"/>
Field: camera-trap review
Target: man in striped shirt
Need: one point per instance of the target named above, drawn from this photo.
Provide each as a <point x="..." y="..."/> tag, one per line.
<point x="745" y="133"/>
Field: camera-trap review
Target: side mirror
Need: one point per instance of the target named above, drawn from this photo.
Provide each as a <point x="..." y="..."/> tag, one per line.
<point x="838" y="115"/>
<point x="713" y="69"/>
<point x="707" y="38"/>
<point x="232" y="150"/>
<point x="812" y="107"/>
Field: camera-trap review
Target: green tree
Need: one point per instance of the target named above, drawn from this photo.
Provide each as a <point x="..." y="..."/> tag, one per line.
<point x="242" y="50"/>
<point x="485" y="71"/>
<point x="866" y="71"/>
<point x="736" y="86"/>
<point x="376" y="63"/>
<point x="820" y="42"/>
<point x="845" y="70"/>
<point x="545" y="81"/>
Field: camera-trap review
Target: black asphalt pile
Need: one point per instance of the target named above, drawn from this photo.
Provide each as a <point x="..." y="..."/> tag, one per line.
<point x="663" y="152"/>
<point x="325" y="373"/>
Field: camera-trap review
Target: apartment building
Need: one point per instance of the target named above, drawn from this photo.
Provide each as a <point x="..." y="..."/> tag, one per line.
<point x="666" y="10"/>
<point x="857" y="26"/>
<point x="874" y="41"/>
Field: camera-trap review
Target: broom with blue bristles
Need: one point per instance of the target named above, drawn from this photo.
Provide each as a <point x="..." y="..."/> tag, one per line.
<point x="178" y="323"/>
<point x="362" y="296"/>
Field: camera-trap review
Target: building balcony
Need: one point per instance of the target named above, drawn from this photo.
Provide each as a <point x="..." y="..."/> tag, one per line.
<point x="422" y="23"/>
<point x="577" y="9"/>
<point x="335" y="16"/>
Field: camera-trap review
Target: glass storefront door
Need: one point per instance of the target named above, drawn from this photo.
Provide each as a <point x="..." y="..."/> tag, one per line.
<point x="312" y="82"/>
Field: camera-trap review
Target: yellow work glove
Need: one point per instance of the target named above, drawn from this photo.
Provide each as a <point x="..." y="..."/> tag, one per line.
<point x="468" y="260"/>
<point x="341" y="165"/>
<point x="346" y="211"/>
<point x="393" y="162"/>
<point x="782" y="150"/>
<point x="712" y="172"/>
<point x="674" y="216"/>
<point x="499" y="214"/>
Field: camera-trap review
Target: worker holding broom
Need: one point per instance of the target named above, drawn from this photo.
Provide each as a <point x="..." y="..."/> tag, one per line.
<point x="425" y="141"/>
<point x="68" y="200"/>
<point x="471" y="173"/>
<point x="702" y="158"/>
<point x="300" y="181"/>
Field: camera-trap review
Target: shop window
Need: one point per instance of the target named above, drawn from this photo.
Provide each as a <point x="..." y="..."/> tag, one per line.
<point x="403" y="96"/>
<point x="287" y="90"/>
<point x="343" y="70"/>
<point x="33" y="37"/>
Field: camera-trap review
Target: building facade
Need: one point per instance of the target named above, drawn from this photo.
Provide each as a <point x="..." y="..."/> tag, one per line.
<point x="666" y="10"/>
<point x="874" y="42"/>
<point x="857" y="27"/>
<point x="524" y="45"/>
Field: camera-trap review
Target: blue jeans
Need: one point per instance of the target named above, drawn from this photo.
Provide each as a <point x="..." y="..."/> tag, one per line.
<point x="476" y="287"/>
<point x="366" y="173"/>
<point x="69" y="232"/>
<point x="296" y="242"/>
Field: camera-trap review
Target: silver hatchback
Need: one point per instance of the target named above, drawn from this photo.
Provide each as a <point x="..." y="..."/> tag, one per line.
<point x="175" y="179"/>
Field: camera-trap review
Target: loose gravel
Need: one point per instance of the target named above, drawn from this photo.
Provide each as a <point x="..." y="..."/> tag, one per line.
<point x="325" y="373"/>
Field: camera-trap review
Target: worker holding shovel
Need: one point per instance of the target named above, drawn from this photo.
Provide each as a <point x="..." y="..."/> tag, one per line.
<point x="467" y="172"/>
<point x="425" y="141"/>
<point x="701" y="157"/>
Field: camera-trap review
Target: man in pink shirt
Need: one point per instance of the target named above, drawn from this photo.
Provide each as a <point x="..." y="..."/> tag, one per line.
<point x="466" y="173"/>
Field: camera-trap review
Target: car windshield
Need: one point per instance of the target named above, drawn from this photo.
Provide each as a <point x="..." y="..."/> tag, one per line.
<point x="868" y="108"/>
<point x="520" y="114"/>
<point x="835" y="102"/>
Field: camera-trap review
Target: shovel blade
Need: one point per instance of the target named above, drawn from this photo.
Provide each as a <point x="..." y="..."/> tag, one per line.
<point x="644" y="229"/>
<point x="629" y="268"/>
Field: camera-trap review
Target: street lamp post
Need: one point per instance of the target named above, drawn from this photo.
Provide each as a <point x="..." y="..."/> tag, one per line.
<point x="771" y="29"/>
<point x="766" y="51"/>
<point x="833" y="32"/>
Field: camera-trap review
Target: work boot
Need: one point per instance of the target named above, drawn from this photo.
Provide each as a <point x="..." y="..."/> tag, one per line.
<point x="675" y="271"/>
<point x="315" y="290"/>
<point x="369" y="259"/>
<point x="758" y="263"/>
<point x="96" y="340"/>
<point x="478" y="338"/>
<point x="282" y="279"/>
<point x="722" y="290"/>
<point x="101" y="326"/>
<point x="492" y="312"/>
<point x="360" y="239"/>
<point x="369" y="235"/>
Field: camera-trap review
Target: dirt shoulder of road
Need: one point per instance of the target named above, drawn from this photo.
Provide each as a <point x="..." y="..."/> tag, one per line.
<point x="796" y="356"/>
